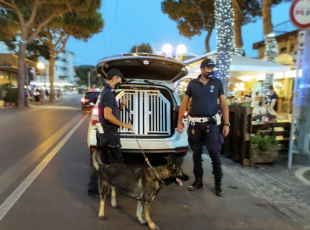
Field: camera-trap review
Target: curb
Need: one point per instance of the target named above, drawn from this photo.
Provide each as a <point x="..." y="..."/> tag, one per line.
<point x="300" y="175"/>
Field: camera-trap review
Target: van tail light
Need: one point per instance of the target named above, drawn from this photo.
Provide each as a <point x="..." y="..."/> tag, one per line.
<point x="178" y="150"/>
<point x="95" y="111"/>
<point x="94" y="122"/>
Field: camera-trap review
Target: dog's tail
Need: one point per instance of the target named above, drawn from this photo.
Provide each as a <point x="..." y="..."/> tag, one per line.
<point x="96" y="159"/>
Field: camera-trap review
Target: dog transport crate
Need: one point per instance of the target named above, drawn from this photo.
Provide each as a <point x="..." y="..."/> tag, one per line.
<point x="149" y="111"/>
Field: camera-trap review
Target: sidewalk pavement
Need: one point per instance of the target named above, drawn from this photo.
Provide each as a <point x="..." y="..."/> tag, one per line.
<point x="276" y="184"/>
<point x="67" y="101"/>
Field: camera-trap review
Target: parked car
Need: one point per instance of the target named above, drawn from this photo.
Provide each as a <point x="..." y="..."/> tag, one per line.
<point x="89" y="100"/>
<point x="153" y="105"/>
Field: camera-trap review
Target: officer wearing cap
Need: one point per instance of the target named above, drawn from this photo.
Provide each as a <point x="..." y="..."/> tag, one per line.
<point x="109" y="141"/>
<point x="204" y="120"/>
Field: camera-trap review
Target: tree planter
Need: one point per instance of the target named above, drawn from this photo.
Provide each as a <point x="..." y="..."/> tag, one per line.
<point x="259" y="156"/>
<point x="13" y="104"/>
<point x="7" y="104"/>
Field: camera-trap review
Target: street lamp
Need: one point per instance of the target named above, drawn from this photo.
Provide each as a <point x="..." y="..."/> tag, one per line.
<point x="41" y="67"/>
<point x="167" y="50"/>
<point x="181" y="49"/>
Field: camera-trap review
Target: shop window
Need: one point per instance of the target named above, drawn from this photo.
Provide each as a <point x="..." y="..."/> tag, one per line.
<point x="283" y="50"/>
<point x="293" y="49"/>
<point x="4" y="77"/>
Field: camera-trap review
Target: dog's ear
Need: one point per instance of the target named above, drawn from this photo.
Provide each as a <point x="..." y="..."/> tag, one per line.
<point x="171" y="158"/>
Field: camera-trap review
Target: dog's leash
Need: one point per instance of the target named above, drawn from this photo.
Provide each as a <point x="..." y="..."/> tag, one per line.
<point x="145" y="158"/>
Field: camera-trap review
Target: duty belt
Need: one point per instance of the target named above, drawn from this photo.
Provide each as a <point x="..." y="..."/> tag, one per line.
<point x="198" y="119"/>
<point x="216" y="119"/>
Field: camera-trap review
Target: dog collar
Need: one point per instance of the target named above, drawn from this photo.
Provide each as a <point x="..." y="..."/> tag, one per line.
<point x="160" y="180"/>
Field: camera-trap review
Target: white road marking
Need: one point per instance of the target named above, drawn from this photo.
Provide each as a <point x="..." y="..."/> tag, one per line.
<point x="11" y="200"/>
<point x="299" y="174"/>
<point x="21" y="166"/>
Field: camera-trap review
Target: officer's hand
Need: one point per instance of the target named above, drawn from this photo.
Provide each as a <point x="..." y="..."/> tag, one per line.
<point x="125" y="101"/>
<point x="225" y="130"/>
<point x="180" y="128"/>
<point x="128" y="126"/>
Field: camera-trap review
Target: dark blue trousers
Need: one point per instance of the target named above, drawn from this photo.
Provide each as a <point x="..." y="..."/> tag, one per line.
<point x="109" y="146"/>
<point x="210" y="135"/>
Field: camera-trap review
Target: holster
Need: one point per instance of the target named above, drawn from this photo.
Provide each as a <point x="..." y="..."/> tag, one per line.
<point x="109" y="145"/>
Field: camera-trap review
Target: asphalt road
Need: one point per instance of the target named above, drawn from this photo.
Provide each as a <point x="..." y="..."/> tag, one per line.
<point x="44" y="172"/>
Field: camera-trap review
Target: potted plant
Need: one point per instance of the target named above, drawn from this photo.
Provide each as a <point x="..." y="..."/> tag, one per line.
<point x="243" y="104"/>
<point x="11" y="96"/>
<point x="5" y="88"/>
<point x="264" y="149"/>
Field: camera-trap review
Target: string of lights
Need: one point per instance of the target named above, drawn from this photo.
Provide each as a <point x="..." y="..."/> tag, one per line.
<point x="225" y="37"/>
<point x="271" y="54"/>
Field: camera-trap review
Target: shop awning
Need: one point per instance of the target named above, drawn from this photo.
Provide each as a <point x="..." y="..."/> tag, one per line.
<point x="239" y="63"/>
<point x="59" y="83"/>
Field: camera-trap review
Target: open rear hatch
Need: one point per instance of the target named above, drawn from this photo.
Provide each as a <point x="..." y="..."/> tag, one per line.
<point x="143" y="67"/>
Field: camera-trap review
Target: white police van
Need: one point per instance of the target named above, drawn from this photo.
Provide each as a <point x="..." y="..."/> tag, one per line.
<point x="152" y="107"/>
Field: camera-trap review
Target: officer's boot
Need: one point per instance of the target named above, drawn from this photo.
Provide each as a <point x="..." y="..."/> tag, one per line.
<point x="218" y="186"/>
<point x="196" y="185"/>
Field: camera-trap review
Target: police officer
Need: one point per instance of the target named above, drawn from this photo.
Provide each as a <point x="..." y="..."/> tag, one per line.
<point x="109" y="141"/>
<point x="203" y="122"/>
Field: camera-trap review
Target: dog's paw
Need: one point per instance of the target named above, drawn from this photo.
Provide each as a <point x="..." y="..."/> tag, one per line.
<point x="155" y="227"/>
<point x="142" y="221"/>
<point x="114" y="206"/>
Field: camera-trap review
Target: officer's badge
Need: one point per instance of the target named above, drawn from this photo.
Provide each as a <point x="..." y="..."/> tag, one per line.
<point x="193" y="131"/>
<point x="211" y="88"/>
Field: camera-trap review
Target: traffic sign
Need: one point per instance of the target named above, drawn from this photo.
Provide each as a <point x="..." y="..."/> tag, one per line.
<point x="301" y="39"/>
<point x="300" y="13"/>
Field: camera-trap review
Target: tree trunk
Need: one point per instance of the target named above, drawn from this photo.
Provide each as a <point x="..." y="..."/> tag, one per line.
<point x="225" y="34"/>
<point x="207" y="40"/>
<point x="271" y="45"/>
<point x="51" y="74"/>
<point x="237" y="29"/>
<point x="21" y="73"/>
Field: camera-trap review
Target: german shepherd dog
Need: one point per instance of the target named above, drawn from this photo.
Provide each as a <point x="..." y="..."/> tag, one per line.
<point x="138" y="183"/>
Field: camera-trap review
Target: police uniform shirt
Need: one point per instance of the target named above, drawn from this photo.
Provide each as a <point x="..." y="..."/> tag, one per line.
<point x="204" y="97"/>
<point x="108" y="99"/>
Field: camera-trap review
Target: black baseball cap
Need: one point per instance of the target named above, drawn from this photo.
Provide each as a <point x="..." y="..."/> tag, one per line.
<point x="207" y="63"/>
<point x="115" y="72"/>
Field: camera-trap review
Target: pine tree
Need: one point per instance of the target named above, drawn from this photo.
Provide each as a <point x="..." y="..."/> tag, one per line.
<point x="29" y="17"/>
<point x="56" y="34"/>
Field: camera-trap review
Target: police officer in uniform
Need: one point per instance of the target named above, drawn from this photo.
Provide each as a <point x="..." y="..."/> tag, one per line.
<point x="109" y="141"/>
<point x="204" y="120"/>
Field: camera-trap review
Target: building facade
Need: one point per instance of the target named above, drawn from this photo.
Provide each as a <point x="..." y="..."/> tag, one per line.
<point x="287" y="54"/>
<point x="63" y="72"/>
